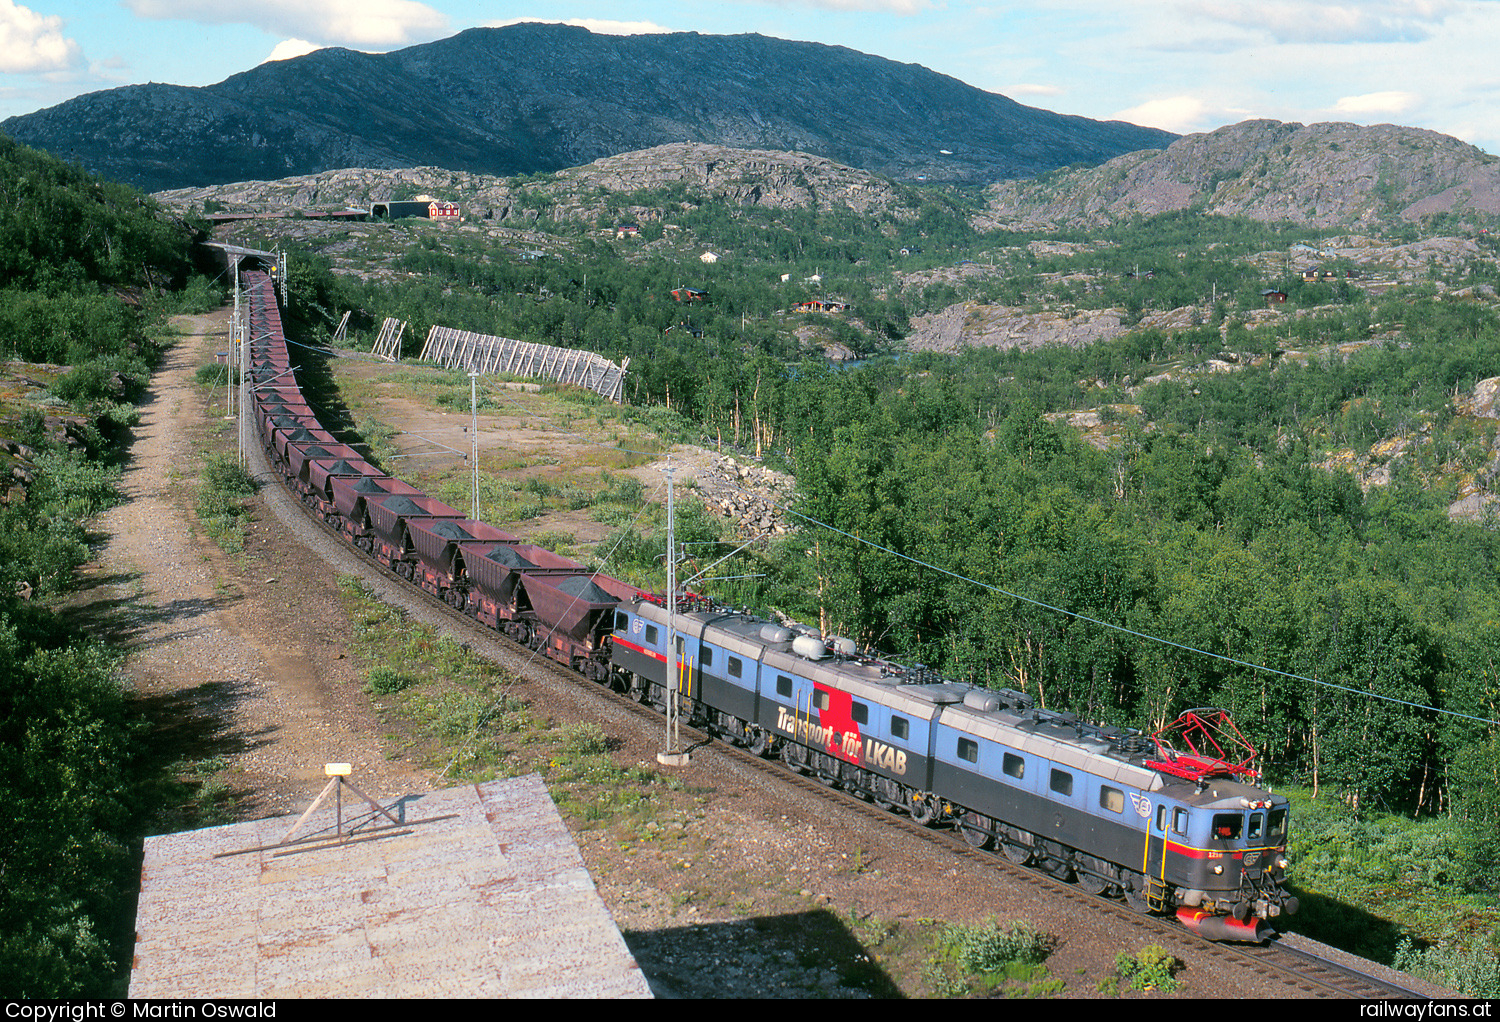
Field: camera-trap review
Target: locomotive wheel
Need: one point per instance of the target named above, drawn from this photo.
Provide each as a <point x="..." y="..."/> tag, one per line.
<point x="1017" y="853"/>
<point x="792" y="756"/>
<point x="924" y="809"/>
<point x="1136" y="899"/>
<point x="977" y="830"/>
<point x="758" y="742"/>
<point x="1090" y="884"/>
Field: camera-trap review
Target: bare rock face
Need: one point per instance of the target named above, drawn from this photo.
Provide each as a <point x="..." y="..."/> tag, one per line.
<point x="973" y="325"/>
<point x="779" y="180"/>
<point x="1321" y="175"/>
<point x="774" y="180"/>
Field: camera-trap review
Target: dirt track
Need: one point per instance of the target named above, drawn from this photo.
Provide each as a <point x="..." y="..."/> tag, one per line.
<point x="240" y="659"/>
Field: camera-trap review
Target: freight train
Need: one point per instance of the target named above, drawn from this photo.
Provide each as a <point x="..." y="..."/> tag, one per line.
<point x="1172" y="822"/>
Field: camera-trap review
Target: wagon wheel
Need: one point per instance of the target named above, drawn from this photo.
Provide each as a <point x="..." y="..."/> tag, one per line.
<point x="757" y="742"/>
<point x="976" y="830"/>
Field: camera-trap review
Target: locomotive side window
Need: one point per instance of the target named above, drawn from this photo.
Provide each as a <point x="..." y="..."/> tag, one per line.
<point x="783" y="685"/>
<point x="1180" y="820"/>
<point x="899" y="727"/>
<point x="651" y="635"/>
<point x="860" y="712"/>
<point x="1161" y="818"/>
<point x="1227" y="826"/>
<point x="706" y="656"/>
<point x="736" y="667"/>
<point x="1112" y="799"/>
<point x="1276" y="824"/>
<point x="1014" y="766"/>
<point x="968" y="750"/>
<point x="622" y="621"/>
<point x="1061" y="782"/>
<point x="820" y="699"/>
<point x="1257" y="826"/>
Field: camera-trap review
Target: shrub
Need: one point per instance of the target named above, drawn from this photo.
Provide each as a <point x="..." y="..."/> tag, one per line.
<point x="1472" y="971"/>
<point x="1152" y="968"/>
<point x="989" y="948"/>
<point x="384" y="680"/>
<point x="584" y="739"/>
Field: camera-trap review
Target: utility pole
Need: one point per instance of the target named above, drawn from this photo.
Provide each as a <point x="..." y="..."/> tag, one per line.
<point x="474" y="442"/>
<point x="672" y="755"/>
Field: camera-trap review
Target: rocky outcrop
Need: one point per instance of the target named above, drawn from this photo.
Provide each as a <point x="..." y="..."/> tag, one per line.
<point x="705" y="173"/>
<point x="1322" y="175"/>
<point x="975" y="325"/>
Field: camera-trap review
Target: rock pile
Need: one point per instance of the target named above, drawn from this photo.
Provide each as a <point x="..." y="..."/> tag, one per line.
<point x="751" y="496"/>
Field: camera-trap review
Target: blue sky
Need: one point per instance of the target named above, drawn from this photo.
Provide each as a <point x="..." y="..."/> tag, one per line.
<point x="1183" y="65"/>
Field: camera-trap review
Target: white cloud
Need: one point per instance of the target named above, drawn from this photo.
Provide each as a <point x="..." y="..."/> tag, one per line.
<point x="1310" y="21"/>
<point x="31" y="43"/>
<point x="1180" y="114"/>
<point x="1376" y="103"/>
<point x="358" y="23"/>
<point x="289" y="48"/>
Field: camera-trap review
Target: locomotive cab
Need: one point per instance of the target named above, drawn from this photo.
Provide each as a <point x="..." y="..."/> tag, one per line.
<point x="1231" y="850"/>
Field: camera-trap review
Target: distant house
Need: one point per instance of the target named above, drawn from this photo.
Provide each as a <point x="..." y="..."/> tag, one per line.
<point x="1272" y="296"/>
<point x="690" y="294"/>
<point x="709" y="257"/>
<point x="627" y="230"/>
<point x="1310" y="274"/>
<point x="445" y="211"/>
<point x="822" y="305"/>
<point x="686" y="328"/>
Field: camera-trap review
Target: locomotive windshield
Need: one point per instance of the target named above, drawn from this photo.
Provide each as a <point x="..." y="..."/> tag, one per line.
<point x="1227" y="826"/>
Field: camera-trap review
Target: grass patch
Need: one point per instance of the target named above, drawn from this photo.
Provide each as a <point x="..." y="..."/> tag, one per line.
<point x="224" y="489"/>
<point x="1371" y="882"/>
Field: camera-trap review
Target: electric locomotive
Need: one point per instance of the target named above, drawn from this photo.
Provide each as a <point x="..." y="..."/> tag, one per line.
<point x="1111" y="808"/>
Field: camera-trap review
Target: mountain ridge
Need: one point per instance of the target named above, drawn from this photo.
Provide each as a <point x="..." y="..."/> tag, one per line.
<point x="535" y="97"/>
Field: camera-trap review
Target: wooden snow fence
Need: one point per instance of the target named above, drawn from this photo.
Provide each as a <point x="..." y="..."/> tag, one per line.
<point x="481" y="353"/>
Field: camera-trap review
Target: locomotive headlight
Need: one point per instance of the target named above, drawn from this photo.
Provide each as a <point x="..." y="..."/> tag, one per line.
<point x="1218" y="870"/>
<point x="1282" y="863"/>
